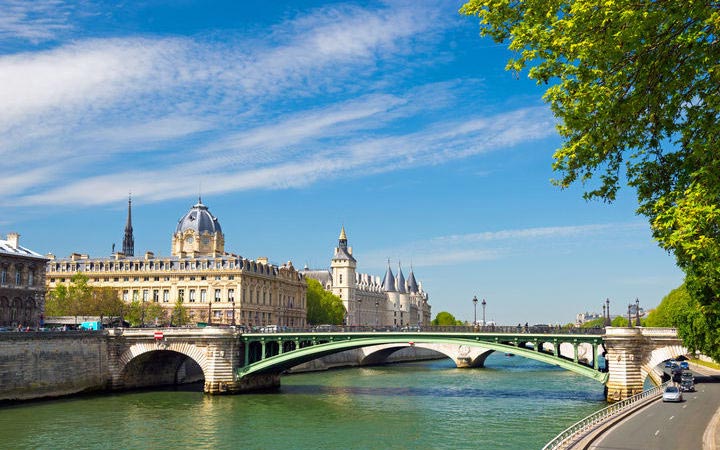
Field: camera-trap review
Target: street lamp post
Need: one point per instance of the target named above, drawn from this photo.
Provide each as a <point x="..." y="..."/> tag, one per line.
<point x="607" y="319"/>
<point x="629" y="317"/>
<point x="475" y="300"/>
<point x="637" y="312"/>
<point x="209" y="322"/>
<point x="233" y="312"/>
<point x="483" y="305"/>
<point x="358" y="319"/>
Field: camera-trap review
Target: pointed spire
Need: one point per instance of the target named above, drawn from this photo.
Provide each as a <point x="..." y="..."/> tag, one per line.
<point x="388" y="283"/>
<point x="412" y="283"/>
<point x="400" y="280"/>
<point x="129" y="240"/>
<point x="343" y="236"/>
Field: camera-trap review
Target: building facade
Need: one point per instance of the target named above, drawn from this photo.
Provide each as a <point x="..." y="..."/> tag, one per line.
<point x="213" y="285"/>
<point x="368" y="300"/>
<point x="22" y="284"/>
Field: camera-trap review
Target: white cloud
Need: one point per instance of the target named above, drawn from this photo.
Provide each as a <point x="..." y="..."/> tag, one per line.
<point x="35" y="21"/>
<point x="502" y="244"/>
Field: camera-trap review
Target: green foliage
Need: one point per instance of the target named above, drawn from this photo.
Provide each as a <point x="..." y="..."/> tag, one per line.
<point x="619" y="321"/>
<point x="595" y="323"/>
<point x="635" y="88"/>
<point x="179" y="316"/>
<point x="79" y="299"/>
<point x="681" y="310"/>
<point x="444" y="318"/>
<point x="322" y="306"/>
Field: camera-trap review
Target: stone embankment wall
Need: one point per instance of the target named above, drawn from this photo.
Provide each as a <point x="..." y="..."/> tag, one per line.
<point x="52" y="364"/>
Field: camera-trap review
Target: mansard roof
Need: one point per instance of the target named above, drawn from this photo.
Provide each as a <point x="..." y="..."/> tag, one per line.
<point x="8" y="249"/>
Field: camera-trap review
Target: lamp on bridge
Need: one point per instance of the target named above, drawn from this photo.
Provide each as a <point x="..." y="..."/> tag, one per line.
<point x="637" y="312"/>
<point x="377" y="303"/>
<point x="483" y="305"/>
<point x="629" y="317"/>
<point x="607" y="318"/>
<point x="233" y="311"/>
<point x="475" y="300"/>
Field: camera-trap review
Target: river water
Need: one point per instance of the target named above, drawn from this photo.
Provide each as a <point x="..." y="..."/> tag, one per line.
<point x="512" y="403"/>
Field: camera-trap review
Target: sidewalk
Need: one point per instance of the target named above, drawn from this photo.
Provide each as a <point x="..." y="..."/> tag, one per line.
<point x="711" y="437"/>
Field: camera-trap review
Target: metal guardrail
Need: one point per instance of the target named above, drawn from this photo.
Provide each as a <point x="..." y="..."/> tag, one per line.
<point x="589" y="423"/>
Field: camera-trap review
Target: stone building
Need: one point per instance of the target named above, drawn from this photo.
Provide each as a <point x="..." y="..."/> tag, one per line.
<point x="214" y="285"/>
<point x="392" y="302"/>
<point x="22" y="284"/>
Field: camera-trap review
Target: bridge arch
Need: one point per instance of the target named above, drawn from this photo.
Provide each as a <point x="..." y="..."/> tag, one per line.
<point x="282" y="362"/>
<point x="378" y="354"/>
<point x="656" y="357"/>
<point x="154" y="364"/>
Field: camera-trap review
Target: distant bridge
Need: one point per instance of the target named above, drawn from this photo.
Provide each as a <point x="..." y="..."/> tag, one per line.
<point x="233" y="362"/>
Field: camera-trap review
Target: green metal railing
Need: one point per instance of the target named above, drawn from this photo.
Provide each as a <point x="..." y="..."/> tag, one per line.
<point x="580" y="429"/>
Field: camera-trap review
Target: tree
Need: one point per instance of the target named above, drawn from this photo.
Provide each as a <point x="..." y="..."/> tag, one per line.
<point x="446" y="319"/>
<point x="595" y="323"/>
<point x="634" y="86"/>
<point x="322" y="306"/>
<point x="680" y="310"/>
<point x="179" y="316"/>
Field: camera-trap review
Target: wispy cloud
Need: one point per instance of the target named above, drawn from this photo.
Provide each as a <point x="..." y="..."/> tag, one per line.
<point x="304" y="102"/>
<point x="502" y="244"/>
<point x="35" y="21"/>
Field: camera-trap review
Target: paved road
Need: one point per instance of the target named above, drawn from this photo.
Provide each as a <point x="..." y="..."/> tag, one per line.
<point x="668" y="426"/>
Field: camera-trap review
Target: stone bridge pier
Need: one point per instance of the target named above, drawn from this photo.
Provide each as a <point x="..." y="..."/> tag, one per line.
<point x="142" y="357"/>
<point x="632" y="355"/>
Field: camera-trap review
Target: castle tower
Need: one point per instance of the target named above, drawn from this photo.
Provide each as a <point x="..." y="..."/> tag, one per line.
<point x="402" y="307"/>
<point x="343" y="267"/>
<point x="129" y="240"/>
<point x="198" y="233"/>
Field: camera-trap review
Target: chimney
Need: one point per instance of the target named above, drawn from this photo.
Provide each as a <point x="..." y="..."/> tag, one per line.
<point x="13" y="239"/>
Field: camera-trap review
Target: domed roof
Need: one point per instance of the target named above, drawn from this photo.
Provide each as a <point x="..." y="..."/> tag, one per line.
<point x="198" y="219"/>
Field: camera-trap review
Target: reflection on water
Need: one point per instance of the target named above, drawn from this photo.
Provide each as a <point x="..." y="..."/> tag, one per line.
<point x="512" y="403"/>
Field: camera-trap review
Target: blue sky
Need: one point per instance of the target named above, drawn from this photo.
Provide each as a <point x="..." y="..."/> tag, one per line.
<point x="395" y="119"/>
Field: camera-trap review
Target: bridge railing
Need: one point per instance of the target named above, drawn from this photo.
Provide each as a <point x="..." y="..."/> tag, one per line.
<point x="504" y="329"/>
<point x="579" y="429"/>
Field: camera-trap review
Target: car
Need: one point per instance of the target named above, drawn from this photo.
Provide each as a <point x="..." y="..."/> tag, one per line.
<point x="687" y="386"/>
<point x="684" y="365"/>
<point x="269" y="329"/>
<point x="672" y="394"/>
<point x="687" y="375"/>
<point x="669" y="363"/>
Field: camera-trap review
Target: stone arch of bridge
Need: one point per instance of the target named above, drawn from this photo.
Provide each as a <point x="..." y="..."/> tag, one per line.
<point x="173" y="356"/>
<point x="282" y="362"/>
<point x="656" y="357"/>
<point x="378" y="354"/>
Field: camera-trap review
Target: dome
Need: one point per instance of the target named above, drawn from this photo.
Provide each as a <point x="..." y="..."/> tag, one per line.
<point x="198" y="219"/>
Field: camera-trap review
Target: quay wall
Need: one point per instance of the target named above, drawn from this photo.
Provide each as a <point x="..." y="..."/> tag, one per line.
<point x="52" y="364"/>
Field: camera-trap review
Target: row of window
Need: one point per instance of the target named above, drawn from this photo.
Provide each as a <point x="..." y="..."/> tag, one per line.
<point x="161" y="265"/>
<point x="155" y="295"/>
<point x="6" y="277"/>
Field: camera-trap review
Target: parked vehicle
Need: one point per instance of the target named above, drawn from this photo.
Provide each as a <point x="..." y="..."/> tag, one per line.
<point x="687" y="386"/>
<point x="672" y="394"/>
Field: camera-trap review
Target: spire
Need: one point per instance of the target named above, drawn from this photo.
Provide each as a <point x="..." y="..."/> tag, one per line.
<point x="412" y="283"/>
<point x="400" y="280"/>
<point x="128" y="240"/>
<point x="388" y="283"/>
<point x="343" y="236"/>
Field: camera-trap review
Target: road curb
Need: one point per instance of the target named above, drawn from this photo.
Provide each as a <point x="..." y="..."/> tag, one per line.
<point x="593" y="435"/>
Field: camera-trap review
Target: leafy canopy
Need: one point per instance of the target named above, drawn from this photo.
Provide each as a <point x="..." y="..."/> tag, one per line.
<point x="444" y="318"/>
<point x="322" y="306"/>
<point x="635" y="86"/>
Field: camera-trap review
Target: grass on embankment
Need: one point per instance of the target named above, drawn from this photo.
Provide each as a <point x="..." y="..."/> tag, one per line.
<point x="712" y="365"/>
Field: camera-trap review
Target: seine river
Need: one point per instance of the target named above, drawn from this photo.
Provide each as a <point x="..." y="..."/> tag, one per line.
<point x="513" y="403"/>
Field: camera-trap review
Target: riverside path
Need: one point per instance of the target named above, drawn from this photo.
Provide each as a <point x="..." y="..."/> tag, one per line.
<point x="692" y="424"/>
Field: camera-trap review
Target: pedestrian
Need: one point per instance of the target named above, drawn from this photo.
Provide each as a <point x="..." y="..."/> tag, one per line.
<point x="526" y="327"/>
